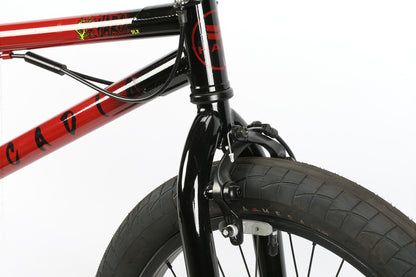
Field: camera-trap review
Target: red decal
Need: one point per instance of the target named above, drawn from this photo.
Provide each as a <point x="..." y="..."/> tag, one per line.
<point x="213" y="44"/>
<point x="213" y="28"/>
<point x="214" y="36"/>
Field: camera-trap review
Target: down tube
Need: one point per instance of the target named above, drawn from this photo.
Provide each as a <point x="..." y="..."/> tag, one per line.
<point x="88" y="115"/>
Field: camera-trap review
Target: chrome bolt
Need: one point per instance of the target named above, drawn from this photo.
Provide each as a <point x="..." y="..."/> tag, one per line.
<point x="229" y="231"/>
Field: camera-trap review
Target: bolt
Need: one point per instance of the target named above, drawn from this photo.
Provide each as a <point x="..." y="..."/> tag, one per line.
<point x="234" y="192"/>
<point x="229" y="231"/>
<point x="209" y="193"/>
<point x="240" y="132"/>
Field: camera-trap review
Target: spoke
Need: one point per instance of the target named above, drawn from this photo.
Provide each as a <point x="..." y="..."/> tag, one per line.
<point x="310" y="262"/>
<point x="244" y="259"/>
<point x="171" y="269"/>
<point x="339" y="269"/>
<point x="293" y="255"/>
<point x="257" y="255"/>
<point x="219" y="265"/>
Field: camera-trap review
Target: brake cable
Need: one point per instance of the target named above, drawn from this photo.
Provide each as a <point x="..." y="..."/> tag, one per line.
<point x="62" y="69"/>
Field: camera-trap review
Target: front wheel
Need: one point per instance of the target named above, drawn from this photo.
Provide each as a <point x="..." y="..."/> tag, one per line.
<point x="329" y="211"/>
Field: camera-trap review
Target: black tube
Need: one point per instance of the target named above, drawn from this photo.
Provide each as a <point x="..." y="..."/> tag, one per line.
<point x="193" y="207"/>
<point x="45" y="63"/>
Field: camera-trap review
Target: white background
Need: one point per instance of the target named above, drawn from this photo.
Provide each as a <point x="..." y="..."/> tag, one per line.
<point x="337" y="78"/>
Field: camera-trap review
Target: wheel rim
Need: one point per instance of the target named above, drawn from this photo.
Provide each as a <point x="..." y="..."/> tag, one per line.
<point x="158" y="265"/>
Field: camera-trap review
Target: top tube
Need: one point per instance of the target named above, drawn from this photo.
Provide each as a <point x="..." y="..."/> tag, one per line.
<point x="89" y="28"/>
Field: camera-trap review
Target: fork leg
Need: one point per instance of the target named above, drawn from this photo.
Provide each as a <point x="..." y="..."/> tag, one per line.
<point x="270" y="264"/>
<point x="193" y="207"/>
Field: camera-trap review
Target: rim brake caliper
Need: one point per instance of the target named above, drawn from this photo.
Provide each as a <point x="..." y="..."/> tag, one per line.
<point x="223" y="190"/>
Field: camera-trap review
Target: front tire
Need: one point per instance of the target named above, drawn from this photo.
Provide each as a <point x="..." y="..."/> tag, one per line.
<point x="297" y="198"/>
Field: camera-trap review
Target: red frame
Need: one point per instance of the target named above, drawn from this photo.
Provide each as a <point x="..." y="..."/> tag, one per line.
<point x="96" y="110"/>
<point x="66" y="31"/>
